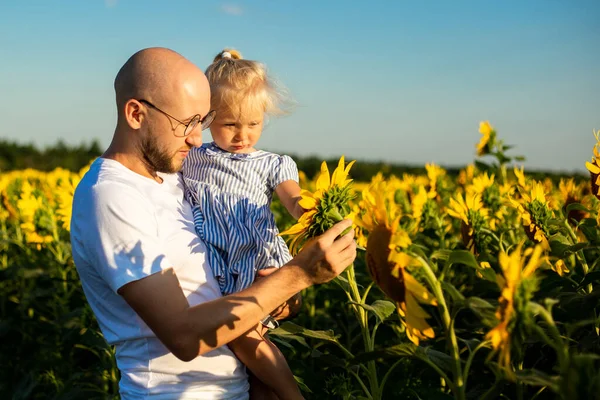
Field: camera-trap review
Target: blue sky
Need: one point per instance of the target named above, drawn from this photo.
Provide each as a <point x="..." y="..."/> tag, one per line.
<point x="399" y="81"/>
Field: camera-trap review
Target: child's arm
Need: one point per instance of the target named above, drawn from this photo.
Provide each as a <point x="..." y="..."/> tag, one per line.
<point x="289" y="194"/>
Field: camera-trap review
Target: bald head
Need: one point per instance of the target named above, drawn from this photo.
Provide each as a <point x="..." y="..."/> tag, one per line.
<point x="159" y="93"/>
<point x="159" y="75"/>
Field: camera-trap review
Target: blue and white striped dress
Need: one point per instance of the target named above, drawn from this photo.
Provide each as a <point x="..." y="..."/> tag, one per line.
<point x="231" y="196"/>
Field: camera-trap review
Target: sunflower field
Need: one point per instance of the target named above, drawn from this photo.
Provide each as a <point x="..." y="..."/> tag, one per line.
<point x="485" y="285"/>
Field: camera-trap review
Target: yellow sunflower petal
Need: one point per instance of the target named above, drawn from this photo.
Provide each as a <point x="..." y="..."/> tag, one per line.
<point x="339" y="174"/>
<point x="294" y="230"/>
<point x="323" y="181"/>
<point x="308" y="203"/>
<point x="485" y="128"/>
<point x="593" y="168"/>
<point x="350" y="164"/>
<point x="416" y="317"/>
<point x="418" y="290"/>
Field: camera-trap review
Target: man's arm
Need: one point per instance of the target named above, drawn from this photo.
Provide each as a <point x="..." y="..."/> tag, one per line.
<point x="190" y="331"/>
<point x="289" y="308"/>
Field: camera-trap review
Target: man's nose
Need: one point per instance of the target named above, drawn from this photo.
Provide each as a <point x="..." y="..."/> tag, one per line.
<point x="194" y="139"/>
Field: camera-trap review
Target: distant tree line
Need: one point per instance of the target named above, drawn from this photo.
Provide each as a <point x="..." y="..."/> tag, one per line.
<point x="15" y="156"/>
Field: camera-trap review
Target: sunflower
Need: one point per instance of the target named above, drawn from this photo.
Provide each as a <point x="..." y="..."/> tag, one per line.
<point x="418" y="201"/>
<point x="491" y="197"/>
<point x="571" y="193"/>
<point x="387" y="260"/>
<point x="535" y="213"/>
<point x="520" y="176"/>
<point x="30" y="208"/>
<point x="434" y="172"/>
<point x="594" y="167"/>
<point x="473" y="217"/>
<point x="408" y="181"/>
<point x="64" y="194"/>
<point x="486" y="142"/>
<point x="465" y="176"/>
<point x="378" y="205"/>
<point x="517" y="284"/>
<point x="415" y="317"/>
<point x="328" y="204"/>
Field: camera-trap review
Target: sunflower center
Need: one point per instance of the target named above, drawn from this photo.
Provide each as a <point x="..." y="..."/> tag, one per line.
<point x="334" y="206"/>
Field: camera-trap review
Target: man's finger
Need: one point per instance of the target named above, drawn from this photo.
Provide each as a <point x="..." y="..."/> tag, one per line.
<point x="332" y="233"/>
<point x="343" y="241"/>
<point x="348" y="254"/>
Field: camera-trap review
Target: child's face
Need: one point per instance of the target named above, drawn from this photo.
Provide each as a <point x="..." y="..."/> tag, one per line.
<point x="237" y="134"/>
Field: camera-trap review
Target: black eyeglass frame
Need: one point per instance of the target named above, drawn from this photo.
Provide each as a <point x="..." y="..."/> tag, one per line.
<point x="190" y="126"/>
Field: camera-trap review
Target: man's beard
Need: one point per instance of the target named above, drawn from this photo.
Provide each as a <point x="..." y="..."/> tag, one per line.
<point x="159" y="159"/>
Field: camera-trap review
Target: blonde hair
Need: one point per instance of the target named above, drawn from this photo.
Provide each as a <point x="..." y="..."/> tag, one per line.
<point x="243" y="87"/>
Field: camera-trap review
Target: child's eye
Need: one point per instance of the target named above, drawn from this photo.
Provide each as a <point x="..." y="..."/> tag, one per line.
<point x="253" y="123"/>
<point x="229" y="124"/>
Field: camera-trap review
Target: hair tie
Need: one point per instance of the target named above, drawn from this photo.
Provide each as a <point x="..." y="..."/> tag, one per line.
<point x="226" y="54"/>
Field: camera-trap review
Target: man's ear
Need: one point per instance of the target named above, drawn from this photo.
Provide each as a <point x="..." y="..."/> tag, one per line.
<point x="134" y="113"/>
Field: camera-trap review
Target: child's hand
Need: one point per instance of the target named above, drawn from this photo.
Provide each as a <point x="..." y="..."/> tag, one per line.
<point x="261" y="273"/>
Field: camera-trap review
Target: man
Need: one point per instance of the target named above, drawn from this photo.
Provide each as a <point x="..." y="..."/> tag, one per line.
<point x="143" y="268"/>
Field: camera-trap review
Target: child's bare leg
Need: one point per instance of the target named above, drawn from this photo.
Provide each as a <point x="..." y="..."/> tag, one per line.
<point x="266" y="362"/>
<point x="259" y="390"/>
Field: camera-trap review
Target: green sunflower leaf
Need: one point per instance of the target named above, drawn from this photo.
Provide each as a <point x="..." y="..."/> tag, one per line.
<point x="382" y="309"/>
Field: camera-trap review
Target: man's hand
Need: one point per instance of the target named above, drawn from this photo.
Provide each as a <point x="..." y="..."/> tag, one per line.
<point x="325" y="257"/>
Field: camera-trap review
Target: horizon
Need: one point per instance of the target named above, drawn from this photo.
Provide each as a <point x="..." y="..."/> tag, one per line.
<point x="334" y="159"/>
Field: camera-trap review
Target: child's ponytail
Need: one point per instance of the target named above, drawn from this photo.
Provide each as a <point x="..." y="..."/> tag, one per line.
<point x="241" y="86"/>
<point x="228" y="54"/>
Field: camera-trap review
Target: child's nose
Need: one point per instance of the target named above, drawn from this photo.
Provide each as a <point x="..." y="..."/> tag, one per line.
<point x="242" y="134"/>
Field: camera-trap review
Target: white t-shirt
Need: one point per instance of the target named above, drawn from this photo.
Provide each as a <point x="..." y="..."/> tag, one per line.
<point x="126" y="227"/>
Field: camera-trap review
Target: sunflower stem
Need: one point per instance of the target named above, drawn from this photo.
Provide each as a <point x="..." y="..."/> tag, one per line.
<point x="434" y="283"/>
<point x="367" y="290"/>
<point x="471" y="358"/>
<point x="519" y="383"/>
<point x="579" y="253"/>
<point x="494" y="236"/>
<point x="440" y="372"/>
<point x="388" y="373"/>
<point x="557" y="342"/>
<point x="503" y="173"/>
<point x="362" y="384"/>
<point x="363" y="320"/>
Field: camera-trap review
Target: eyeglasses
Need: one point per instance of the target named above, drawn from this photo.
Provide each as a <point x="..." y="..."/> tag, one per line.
<point x="189" y="127"/>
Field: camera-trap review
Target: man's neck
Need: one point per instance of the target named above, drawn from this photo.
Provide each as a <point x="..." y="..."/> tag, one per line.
<point x="131" y="159"/>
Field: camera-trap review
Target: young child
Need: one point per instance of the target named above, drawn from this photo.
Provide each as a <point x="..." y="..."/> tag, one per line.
<point x="230" y="185"/>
